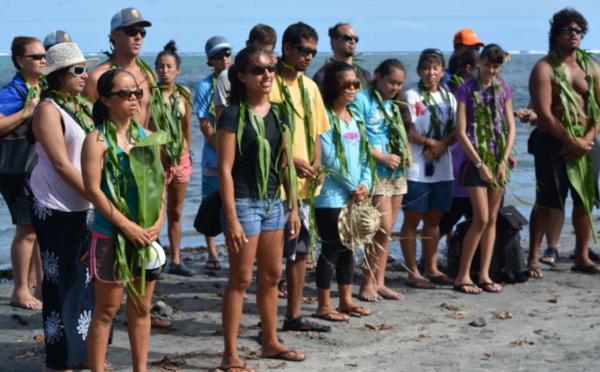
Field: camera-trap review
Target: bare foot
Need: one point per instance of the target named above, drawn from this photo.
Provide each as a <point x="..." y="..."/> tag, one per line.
<point x="29" y="303"/>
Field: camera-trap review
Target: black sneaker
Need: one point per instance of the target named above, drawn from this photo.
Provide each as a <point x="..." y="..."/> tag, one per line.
<point x="181" y="270"/>
<point x="301" y="324"/>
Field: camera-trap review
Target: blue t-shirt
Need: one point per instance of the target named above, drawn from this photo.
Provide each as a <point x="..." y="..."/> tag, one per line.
<point x="11" y="100"/>
<point x="378" y="132"/>
<point x="101" y="223"/>
<point x="202" y="100"/>
<point x="337" y="188"/>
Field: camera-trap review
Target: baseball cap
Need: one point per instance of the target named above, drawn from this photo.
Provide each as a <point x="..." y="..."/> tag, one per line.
<point x="215" y="44"/>
<point x="56" y="37"/>
<point x="467" y="36"/>
<point x="127" y="17"/>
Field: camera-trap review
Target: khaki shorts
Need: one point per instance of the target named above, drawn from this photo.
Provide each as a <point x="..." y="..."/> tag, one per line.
<point x="390" y="187"/>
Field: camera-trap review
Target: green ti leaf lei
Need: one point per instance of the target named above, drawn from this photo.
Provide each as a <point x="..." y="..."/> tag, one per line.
<point x="32" y="92"/>
<point x="486" y="129"/>
<point x="211" y="107"/>
<point x="83" y="110"/>
<point x="435" y="129"/>
<point x="398" y="144"/>
<point x="167" y="116"/>
<point x="147" y="173"/>
<point x="579" y="170"/>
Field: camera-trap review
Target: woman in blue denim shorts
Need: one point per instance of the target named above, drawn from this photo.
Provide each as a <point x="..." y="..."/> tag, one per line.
<point x="250" y="155"/>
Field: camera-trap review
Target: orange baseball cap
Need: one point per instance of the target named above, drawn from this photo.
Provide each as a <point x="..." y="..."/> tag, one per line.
<point x="467" y="36"/>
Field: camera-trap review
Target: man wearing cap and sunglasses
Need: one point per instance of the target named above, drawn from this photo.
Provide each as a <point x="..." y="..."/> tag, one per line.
<point x="343" y="43"/>
<point x="127" y="32"/>
<point x="218" y="53"/>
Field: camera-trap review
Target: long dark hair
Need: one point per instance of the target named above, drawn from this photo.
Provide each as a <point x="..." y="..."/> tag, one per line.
<point x="54" y="81"/>
<point x="384" y="69"/>
<point x="106" y="84"/>
<point x="330" y="88"/>
<point x="242" y="61"/>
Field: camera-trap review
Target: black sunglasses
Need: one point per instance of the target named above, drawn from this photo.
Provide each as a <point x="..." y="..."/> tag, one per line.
<point x="304" y="51"/>
<point x="432" y="51"/>
<point x="36" y="57"/>
<point x="350" y="84"/>
<point x="348" y="37"/>
<point x="260" y="70"/>
<point x="127" y="93"/>
<point x="220" y="56"/>
<point x="569" y="30"/>
<point x="133" y="31"/>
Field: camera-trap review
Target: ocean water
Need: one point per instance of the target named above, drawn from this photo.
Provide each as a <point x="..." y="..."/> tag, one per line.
<point x="521" y="191"/>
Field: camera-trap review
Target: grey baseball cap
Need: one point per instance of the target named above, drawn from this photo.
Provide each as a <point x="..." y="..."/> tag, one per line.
<point x="127" y="17"/>
<point x="215" y="44"/>
<point x="56" y="37"/>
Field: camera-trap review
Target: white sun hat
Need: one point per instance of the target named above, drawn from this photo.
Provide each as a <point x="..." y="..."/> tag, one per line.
<point x="64" y="55"/>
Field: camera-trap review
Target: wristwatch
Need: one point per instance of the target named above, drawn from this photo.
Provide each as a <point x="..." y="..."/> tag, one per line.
<point x="478" y="164"/>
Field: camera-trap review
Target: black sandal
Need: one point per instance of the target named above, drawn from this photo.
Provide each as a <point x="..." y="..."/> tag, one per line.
<point x="549" y="257"/>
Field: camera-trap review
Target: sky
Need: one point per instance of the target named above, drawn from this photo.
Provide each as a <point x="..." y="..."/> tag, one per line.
<point x="383" y="25"/>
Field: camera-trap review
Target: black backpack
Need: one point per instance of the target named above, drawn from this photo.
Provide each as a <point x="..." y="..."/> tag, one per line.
<point x="508" y="262"/>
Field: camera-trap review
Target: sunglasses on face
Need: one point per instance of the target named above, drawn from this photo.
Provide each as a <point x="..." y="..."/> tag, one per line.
<point x="260" y="70"/>
<point x="78" y="70"/>
<point x="36" y="57"/>
<point x="304" y="51"/>
<point x="569" y="30"/>
<point x="348" y="37"/>
<point x="433" y="51"/>
<point x="132" y="31"/>
<point x="350" y="84"/>
<point x="220" y="56"/>
<point x="127" y="93"/>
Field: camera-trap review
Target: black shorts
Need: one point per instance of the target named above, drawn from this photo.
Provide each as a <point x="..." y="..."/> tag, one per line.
<point x="469" y="175"/>
<point x="552" y="181"/>
<point x="12" y="188"/>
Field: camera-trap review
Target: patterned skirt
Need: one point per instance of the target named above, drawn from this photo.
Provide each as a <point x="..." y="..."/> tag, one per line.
<point x="68" y="292"/>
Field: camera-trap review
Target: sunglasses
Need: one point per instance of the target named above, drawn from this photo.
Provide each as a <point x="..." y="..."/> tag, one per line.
<point x="36" y="57"/>
<point x="220" y="56"/>
<point x="304" y="51"/>
<point x="350" y="84"/>
<point x="569" y="30"/>
<point x="127" y="93"/>
<point x="260" y="70"/>
<point x="132" y="31"/>
<point x="78" y="70"/>
<point x="432" y="51"/>
<point x="348" y="37"/>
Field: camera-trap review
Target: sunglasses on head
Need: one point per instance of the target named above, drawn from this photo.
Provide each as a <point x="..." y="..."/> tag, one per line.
<point x="78" y="70"/>
<point x="127" y="93"/>
<point x="260" y="70"/>
<point x="350" y="84"/>
<point x="36" y="57"/>
<point x="432" y="51"/>
<point x="133" y="31"/>
<point x="304" y="51"/>
<point x="220" y="56"/>
<point x="569" y="30"/>
<point x="348" y="37"/>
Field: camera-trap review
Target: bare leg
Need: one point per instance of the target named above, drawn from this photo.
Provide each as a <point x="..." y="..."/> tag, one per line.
<point x="538" y="222"/>
<point x="488" y="239"/>
<point x="36" y="269"/>
<point x="108" y="301"/>
<point x="21" y="252"/>
<point x="138" y="326"/>
<point x="430" y="241"/>
<point x="553" y="230"/>
<point x="582" y="237"/>
<point x="295" y="271"/>
<point x="408" y="242"/>
<point x="347" y="302"/>
<point x="212" y="248"/>
<point x="175" y="197"/>
<point x="325" y="306"/>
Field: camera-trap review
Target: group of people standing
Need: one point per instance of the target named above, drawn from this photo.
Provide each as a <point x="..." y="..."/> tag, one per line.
<point x="286" y="154"/>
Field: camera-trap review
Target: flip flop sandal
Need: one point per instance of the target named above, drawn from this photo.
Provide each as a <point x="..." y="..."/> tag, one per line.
<point x="549" y="257"/>
<point x="328" y="317"/>
<point x="461" y="288"/>
<point x="282" y="356"/>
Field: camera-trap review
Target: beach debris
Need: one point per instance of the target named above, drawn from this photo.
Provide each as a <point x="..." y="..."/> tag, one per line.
<point x="445" y="336"/>
<point x="553" y="300"/>
<point x="381" y="327"/>
<point x="38" y="338"/>
<point x="463" y="312"/>
<point x="309" y="300"/>
<point x="458" y="317"/>
<point x="162" y="309"/>
<point x="504" y="315"/>
<point x="480" y="321"/>
<point x="538" y="331"/>
<point x="22" y="321"/>
<point x="552" y="290"/>
<point x="424" y="336"/>
<point x="490" y="355"/>
<point x="29" y="353"/>
<point x="522" y="341"/>
<point x="169" y="364"/>
<point x="351" y="364"/>
<point x="449" y="307"/>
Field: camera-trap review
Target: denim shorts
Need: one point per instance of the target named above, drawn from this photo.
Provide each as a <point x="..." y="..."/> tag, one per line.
<point x="257" y="215"/>
<point x="423" y="196"/>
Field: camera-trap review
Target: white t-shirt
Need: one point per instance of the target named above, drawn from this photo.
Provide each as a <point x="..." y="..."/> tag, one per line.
<point x="421" y="117"/>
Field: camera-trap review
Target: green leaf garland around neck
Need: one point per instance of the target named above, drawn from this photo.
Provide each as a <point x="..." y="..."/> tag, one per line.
<point x="579" y="170"/>
<point x="490" y="127"/>
<point x="79" y="106"/>
<point x="263" y="160"/>
<point x="398" y="143"/>
<point x="32" y="92"/>
<point x="147" y="173"/>
<point x="437" y="129"/>
<point x="167" y="116"/>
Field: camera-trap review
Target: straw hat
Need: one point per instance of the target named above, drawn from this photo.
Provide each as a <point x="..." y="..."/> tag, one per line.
<point x="358" y="223"/>
<point x="65" y="55"/>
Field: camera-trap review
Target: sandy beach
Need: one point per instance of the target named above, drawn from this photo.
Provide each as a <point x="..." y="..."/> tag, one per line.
<point x="550" y="324"/>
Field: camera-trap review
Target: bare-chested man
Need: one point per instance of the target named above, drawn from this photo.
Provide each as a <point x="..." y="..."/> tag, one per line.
<point x="554" y="148"/>
<point x="127" y="34"/>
